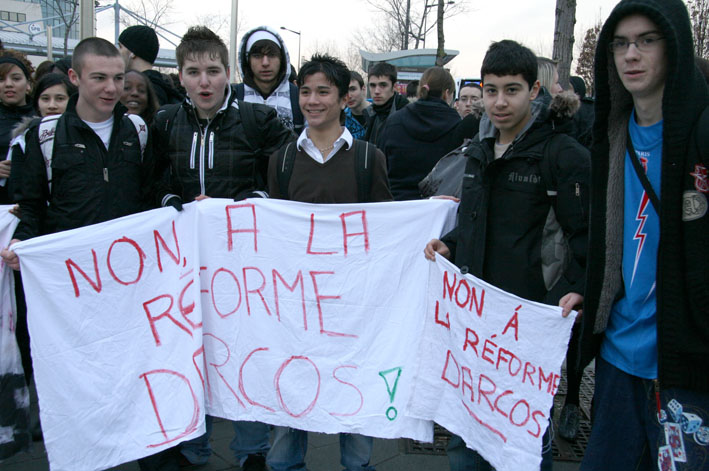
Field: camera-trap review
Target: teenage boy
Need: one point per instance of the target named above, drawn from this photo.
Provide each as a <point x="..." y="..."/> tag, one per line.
<point x="648" y="285"/>
<point x="356" y="113"/>
<point x="99" y="160"/>
<point x="212" y="145"/>
<point x="468" y="94"/>
<point x="139" y="47"/>
<point x="386" y="100"/>
<point x="264" y="64"/>
<point x="323" y="163"/>
<point x="525" y="187"/>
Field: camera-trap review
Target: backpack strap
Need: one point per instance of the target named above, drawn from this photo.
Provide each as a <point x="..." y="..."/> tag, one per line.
<point x="142" y="129"/>
<point x="248" y="117"/>
<point x="46" y="132"/>
<point x="284" y="170"/>
<point x="551" y="150"/>
<point x="364" y="169"/>
<point x="240" y="91"/>
<point x="298" y="118"/>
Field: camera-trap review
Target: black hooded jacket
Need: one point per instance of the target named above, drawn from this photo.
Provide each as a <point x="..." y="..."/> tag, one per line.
<point x="414" y="139"/>
<point x="682" y="260"/>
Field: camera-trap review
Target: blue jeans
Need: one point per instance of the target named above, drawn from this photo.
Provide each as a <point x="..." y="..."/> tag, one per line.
<point x="462" y="458"/>
<point x="626" y="431"/>
<point x="198" y="450"/>
<point x="250" y="438"/>
<point x="290" y="445"/>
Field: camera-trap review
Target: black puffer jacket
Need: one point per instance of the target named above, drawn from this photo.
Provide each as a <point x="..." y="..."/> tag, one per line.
<point x="89" y="183"/>
<point x="219" y="160"/>
<point x="509" y="225"/>
<point x="414" y="139"/>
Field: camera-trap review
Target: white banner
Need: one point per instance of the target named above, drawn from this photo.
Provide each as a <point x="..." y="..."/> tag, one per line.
<point x="14" y="395"/>
<point x="489" y="366"/>
<point x="113" y="384"/>
<point x="286" y="313"/>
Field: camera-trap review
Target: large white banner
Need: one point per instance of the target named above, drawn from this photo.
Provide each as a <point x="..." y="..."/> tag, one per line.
<point x="114" y="385"/>
<point x="489" y="366"/>
<point x="14" y="395"/>
<point x="287" y="313"/>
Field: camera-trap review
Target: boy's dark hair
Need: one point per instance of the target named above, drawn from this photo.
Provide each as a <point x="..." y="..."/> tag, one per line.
<point x="96" y="46"/>
<point x="470" y="85"/>
<point x="382" y="69"/>
<point x="200" y="40"/>
<point x="412" y="89"/>
<point x="356" y="76"/>
<point x="266" y="47"/>
<point x="508" y="57"/>
<point x="334" y="70"/>
<point x="49" y="80"/>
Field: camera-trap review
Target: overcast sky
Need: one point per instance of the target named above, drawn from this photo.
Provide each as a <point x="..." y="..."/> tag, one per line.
<point x="328" y="23"/>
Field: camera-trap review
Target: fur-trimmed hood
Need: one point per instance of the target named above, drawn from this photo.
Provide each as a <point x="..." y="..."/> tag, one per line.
<point x="23" y="125"/>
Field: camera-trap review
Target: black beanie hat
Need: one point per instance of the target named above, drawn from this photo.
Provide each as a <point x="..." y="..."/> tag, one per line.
<point x="142" y="41"/>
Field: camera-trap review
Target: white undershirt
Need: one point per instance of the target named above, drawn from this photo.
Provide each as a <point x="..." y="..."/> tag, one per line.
<point x="306" y="144"/>
<point x="500" y="149"/>
<point x="103" y="130"/>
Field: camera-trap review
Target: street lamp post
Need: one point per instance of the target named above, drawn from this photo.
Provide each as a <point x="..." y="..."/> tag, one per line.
<point x="298" y="33"/>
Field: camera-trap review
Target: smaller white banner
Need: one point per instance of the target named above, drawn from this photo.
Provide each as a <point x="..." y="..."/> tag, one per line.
<point x="489" y="366"/>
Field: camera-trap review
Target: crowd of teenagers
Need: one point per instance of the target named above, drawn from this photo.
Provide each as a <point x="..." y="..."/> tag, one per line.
<point x="594" y="204"/>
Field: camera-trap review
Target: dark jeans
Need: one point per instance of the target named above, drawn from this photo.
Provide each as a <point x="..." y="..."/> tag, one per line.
<point x="462" y="458"/>
<point x="627" y="434"/>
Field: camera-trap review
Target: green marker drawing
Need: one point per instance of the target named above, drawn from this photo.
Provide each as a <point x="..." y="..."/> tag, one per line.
<point x="391" y="390"/>
<point x="391" y="412"/>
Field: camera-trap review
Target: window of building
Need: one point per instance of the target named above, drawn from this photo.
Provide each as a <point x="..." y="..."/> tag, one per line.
<point x="12" y="16"/>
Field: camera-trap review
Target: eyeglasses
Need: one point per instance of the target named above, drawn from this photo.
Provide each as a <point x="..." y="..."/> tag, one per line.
<point x="643" y="44"/>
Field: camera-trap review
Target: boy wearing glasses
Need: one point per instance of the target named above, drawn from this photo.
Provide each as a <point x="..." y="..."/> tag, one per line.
<point x="648" y="290"/>
<point x="264" y="65"/>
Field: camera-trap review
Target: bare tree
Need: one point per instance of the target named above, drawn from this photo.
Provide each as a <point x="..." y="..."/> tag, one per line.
<point x="154" y="13"/>
<point x="699" y="13"/>
<point x="67" y="12"/>
<point x="564" y="38"/>
<point x="383" y="36"/>
<point x="584" y="63"/>
<point x="410" y="20"/>
<point x="440" y="52"/>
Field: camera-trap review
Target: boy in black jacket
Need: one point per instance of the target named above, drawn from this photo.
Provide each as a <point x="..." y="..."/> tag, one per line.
<point x="522" y="218"/>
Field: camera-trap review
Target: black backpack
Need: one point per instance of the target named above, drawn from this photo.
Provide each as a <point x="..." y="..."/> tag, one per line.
<point x="363" y="162"/>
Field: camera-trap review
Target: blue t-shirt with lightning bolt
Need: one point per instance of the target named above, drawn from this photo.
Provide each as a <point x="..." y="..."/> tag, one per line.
<point x="631" y="337"/>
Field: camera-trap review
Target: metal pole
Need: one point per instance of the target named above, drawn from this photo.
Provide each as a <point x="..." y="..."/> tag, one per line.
<point x="88" y="27"/>
<point x="116" y="20"/>
<point x="233" y="45"/>
<point x="50" y="50"/>
<point x="298" y="52"/>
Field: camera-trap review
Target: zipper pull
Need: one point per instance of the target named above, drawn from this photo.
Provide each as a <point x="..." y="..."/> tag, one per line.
<point x="105" y="174"/>
<point x="578" y="190"/>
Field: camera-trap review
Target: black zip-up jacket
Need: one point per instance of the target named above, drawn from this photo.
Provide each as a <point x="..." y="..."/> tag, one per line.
<point x="89" y="183"/>
<point x="513" y="232"/>
<point x="218" y="159"/>
<point x="682" y="278"/>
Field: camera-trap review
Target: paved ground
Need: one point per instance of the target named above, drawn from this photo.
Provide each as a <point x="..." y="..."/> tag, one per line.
<point x="323" y="455"/>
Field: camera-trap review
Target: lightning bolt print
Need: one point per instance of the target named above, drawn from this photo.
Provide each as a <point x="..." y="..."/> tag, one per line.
<point x="641" y="217"/>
